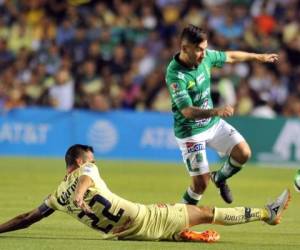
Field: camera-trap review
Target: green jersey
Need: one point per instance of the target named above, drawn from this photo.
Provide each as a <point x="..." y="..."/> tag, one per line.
<point x="191" y="87"/>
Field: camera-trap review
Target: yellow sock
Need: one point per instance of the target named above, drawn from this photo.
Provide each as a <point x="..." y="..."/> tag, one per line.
<point x="239" y="215"/>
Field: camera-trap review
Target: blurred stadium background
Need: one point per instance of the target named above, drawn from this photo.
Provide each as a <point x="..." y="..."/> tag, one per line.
<point x="92" y="72"/>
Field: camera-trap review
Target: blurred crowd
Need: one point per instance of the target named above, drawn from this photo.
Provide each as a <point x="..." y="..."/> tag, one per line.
<point x="106" y="55"/>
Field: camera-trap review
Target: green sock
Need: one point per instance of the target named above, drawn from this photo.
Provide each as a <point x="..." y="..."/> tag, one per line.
<point x="230" y="168"/>
<point x="190" y="197"/>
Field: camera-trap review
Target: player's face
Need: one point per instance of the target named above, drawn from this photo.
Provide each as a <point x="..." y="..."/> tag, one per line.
<point x="89" y="157"/>
<point x="196" y="52"/>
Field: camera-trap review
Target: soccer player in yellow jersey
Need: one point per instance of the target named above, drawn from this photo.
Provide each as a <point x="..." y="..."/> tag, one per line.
<point x="84" y="195"/>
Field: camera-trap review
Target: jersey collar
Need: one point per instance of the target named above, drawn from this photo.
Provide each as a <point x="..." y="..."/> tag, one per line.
<point x="181" y="63"/>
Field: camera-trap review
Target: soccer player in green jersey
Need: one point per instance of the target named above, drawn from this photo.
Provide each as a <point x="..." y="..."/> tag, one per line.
<point x="197" y="123"/>
<point x="84" y="196"/>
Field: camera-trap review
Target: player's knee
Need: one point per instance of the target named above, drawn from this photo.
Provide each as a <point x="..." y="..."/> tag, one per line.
<point x="207" y="214"/>
<point x="245" y="154"/>
<point x="199" y="215"/>
<point x="241" y="153"/>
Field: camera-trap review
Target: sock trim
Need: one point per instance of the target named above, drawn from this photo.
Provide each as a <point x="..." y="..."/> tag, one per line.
<point x="234" y="163"/>
<point x="189" y="200"/>
<point x="193" y="195"/>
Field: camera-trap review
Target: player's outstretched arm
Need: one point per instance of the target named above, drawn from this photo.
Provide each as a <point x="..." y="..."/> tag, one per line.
<point x="241" y="56"/>
<point x="192" y="112"/>
<point x="22" y="221"/>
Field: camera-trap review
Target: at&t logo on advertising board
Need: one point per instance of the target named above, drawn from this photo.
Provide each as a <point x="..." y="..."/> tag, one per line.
<point x="103" y="136"/>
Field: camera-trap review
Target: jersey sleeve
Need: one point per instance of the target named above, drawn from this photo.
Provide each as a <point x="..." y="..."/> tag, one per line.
<point x="90" y="170"/>
<point x="47" y="206"/>
<point x="216" y="58"/>
<point x="177" y="88"/>
<point x="45" y="210"/>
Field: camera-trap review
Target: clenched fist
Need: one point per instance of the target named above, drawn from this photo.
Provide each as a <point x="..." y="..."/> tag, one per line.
<point x="225" y="111"/>
<point x="80" y="203"/>
<point x="268" y="58"/>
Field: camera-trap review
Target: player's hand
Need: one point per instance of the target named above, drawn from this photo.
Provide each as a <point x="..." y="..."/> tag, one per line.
<point x="268" y="58"/>
<point x="225" y="111"/>
<point x="79" y="202"/>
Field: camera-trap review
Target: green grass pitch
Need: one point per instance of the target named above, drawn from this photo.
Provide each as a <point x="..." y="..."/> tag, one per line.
<point x="25" y="183"/>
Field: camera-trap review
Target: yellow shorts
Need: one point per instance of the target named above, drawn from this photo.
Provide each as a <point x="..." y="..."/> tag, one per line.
<point x="157" y="222"/>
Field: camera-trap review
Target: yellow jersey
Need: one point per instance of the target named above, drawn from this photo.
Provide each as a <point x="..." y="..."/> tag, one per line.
<point x="115" y="217"/>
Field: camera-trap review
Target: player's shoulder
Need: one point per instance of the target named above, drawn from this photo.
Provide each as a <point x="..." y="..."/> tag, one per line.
<point x="89" y="164"/>
<point x="175" y="72"/>
<point x="89" y="167"/>
<point x="210" y="52"/>
<point x="213" y="52"/>
<point x="172" y="66"/>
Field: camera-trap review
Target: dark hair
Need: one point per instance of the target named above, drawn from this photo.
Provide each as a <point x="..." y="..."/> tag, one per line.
<point x="193" y="34"/>
<point x="75" y="151"/>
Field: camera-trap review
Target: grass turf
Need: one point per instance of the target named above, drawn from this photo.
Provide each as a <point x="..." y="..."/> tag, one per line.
<point x="26" y="182"/>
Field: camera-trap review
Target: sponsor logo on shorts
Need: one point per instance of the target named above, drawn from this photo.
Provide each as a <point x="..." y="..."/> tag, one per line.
<point x="199" y="157"/>
<point x="194" y="147"/>
<point x="232" y="132"/>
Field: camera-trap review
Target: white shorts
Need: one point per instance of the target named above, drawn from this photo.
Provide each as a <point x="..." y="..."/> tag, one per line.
<point x="222" y="137"/>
